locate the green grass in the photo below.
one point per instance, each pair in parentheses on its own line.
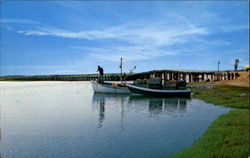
(228,136)
(224,95)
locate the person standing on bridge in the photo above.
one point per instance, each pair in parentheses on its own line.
(100,70)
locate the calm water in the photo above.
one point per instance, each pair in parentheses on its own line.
(66,120)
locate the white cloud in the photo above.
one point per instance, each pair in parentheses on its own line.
(18,21)
(143,41)
(129,52)
(89,35)
(156,34)
(40,33)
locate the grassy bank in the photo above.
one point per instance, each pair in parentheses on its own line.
(230,96)
(228,136)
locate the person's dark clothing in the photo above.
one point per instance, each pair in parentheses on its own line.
(100,69)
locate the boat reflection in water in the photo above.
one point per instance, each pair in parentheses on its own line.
(101,112)
(158,105)
(100,100)
(117,103)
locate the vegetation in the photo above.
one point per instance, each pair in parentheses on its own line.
(228,136)
(225,95)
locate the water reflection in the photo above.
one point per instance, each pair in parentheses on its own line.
(99,101)
(101,112)
(157,106)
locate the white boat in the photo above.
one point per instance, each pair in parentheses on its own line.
(109,88)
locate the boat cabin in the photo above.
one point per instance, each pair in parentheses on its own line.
(157,83)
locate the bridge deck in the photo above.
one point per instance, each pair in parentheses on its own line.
(165,74)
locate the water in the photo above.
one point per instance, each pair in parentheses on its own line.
(66,120)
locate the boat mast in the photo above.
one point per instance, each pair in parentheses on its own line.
(121,69)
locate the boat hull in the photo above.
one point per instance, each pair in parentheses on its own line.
(108,88)
(159,93)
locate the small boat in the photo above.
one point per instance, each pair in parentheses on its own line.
(158,92)
(109,88)
(105,87)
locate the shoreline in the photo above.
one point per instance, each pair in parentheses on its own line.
(228,135)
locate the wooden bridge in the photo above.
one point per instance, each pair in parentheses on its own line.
(73,77)
(188,75)
(179,74)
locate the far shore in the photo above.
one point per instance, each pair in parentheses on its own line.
(244,83)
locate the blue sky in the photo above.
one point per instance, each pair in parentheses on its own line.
(56,37)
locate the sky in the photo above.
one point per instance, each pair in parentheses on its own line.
(74,37)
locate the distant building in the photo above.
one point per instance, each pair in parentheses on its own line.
(246,67)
